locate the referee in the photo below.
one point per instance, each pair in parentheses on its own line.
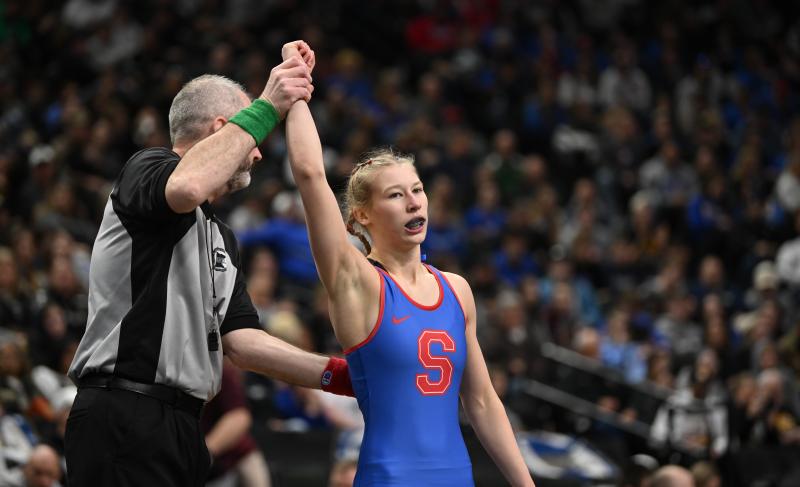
(167,296)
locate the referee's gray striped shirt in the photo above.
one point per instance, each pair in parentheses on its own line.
(150,290)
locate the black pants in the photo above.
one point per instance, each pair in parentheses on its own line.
(121,438)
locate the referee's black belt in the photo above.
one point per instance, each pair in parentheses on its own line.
(169,395)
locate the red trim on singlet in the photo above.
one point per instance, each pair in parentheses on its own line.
(377,322)
(463,310)
(420,306)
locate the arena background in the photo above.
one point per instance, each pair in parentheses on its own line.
(619,180)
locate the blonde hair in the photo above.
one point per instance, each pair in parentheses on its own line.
(358,192)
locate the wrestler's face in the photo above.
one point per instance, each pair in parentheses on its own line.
(398,211)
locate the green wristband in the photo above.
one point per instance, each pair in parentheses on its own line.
(258,119)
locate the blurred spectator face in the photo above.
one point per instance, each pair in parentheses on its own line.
(560,270)
(43,468)
(659,369)
(618,326)
(711,272)
(768,359)
(766,320)
(221,58)
(587,343)
(620,124)
(514,247)
(705,475)
(624,57)
(505,143)
(672,476)
(8,271)
(716,187)
(529,289)
(563,299)
(459,145)
(54,322)
(623,253)
(488,195)
(442,188)
(679,307)
(11,360)
(430,87)
(769,389)
(662,126)
(704,161)
(584,192)
(24,247)
(261,288)
(712,307)
(641,213)
(765,277)
(671,153)
(510,310)
(348,63)
(263,261)
(62,199)
(716,335)
(534,170)
(61,245)
(62,278)
(705,366)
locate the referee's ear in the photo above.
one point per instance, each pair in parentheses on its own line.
(218,123)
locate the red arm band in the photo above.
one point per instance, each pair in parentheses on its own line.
(336,378)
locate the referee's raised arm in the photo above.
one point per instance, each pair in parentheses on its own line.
(212,151)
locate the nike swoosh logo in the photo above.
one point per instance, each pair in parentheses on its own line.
(397,320)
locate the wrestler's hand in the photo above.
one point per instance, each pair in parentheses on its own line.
(288,82)
(299,48)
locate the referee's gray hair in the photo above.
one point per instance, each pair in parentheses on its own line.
(199,102)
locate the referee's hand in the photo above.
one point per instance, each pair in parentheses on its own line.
(288,82)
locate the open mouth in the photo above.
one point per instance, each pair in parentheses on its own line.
(416,223)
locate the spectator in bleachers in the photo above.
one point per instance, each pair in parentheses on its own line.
(683,336)
(509,337)
(694,421)
(226,423)
(703,373)
(15,305)
(43,468)
(668,180)
(617,351)
(671,476)
(706,475)
(624,83)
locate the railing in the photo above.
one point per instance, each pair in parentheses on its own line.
(581,407)
(573,359)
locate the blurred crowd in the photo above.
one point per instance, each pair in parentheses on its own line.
(619,180)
